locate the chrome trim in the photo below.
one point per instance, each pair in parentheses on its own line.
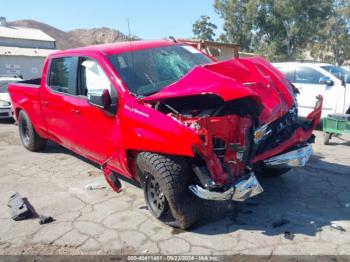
(211,195)
(295,158)
(247,188)
(243,190)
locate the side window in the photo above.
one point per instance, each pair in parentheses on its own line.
(92,78)
(288,73)
(305,75)
(60,75)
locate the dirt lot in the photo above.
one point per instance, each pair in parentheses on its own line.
(294,215)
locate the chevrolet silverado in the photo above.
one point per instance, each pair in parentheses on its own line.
(183,125)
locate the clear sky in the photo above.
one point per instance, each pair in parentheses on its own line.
(149,19)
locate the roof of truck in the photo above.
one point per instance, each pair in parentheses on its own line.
(121,47)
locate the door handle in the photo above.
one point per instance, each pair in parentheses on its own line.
(45,103)
(76,111)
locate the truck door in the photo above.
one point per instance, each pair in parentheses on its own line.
(58,100)
(307,80)
(98,129)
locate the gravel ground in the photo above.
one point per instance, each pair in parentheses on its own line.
(305,211)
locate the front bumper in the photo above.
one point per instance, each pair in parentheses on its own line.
(6,112)
(295,158)
(242,190)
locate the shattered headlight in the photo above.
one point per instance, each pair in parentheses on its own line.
(4,103)
(260,133)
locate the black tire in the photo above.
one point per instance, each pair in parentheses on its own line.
(173,176)
(326,138)
(29,137)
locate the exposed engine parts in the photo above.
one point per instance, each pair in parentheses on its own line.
(231,136)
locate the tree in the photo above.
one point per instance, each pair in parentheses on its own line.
(285,27)
(203,29)
(238,26)
(334,38)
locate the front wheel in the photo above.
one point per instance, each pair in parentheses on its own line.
(165,181)
(29,137)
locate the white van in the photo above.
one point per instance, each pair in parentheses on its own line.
(312,79)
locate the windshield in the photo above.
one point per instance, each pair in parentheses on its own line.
(338,72)
(148,71)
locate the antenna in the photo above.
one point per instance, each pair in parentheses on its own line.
(131,51)
(127,20)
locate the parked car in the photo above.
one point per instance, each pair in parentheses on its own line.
(312,79)
(5,103)
(170,117)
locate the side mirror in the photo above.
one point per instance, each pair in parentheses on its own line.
(100,98)
(326,80)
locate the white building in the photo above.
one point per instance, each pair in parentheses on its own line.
(23,50)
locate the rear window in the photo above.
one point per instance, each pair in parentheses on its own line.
(60,72)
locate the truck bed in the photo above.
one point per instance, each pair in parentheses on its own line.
(26,95)
(30,83)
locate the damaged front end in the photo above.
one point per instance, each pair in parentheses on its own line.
(222,159)
(234,143)
(242,128)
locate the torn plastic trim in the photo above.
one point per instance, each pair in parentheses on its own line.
(242,190)
(211,195)
(295,158)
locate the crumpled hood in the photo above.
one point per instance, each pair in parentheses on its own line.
(234,79)
(5,97)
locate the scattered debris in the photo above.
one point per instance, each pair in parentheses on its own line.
(280,223)
(94,173)
(288,235)
(19,209)
(176,231)
(45,220)
(338,227)
(143,207)
(94,186)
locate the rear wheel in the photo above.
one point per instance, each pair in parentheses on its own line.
(29,137)
(165,181)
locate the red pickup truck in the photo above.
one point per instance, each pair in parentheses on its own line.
(183,125)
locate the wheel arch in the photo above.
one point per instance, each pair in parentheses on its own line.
(131,156)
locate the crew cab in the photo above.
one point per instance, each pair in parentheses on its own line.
(183,125)
(312,79)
